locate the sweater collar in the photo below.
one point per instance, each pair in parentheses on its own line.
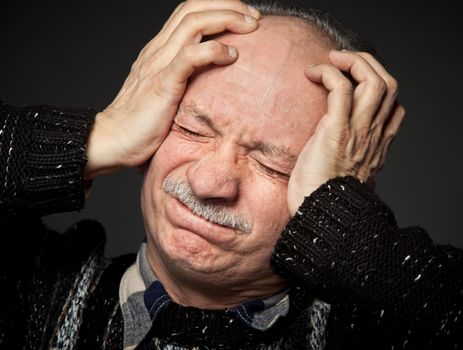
(143,298)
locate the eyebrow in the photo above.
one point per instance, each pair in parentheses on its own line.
(190,108)
(265,148)
(274,151)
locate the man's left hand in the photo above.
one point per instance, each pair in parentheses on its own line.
(353,136)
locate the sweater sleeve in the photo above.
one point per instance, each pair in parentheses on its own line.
(388,285)
(42,157)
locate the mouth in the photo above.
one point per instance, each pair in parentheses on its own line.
(182,217)
(201,216)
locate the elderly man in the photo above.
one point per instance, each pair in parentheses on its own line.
(257,137)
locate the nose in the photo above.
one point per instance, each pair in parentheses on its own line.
(215,176)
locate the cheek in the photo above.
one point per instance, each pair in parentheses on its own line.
(270,214)
(269,199)
(170,155)
(174,152)
(269,209)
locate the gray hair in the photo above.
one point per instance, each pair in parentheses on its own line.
(212,212)
(334,30)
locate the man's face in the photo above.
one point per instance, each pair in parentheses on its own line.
(228,157)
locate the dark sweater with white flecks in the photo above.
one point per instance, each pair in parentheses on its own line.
(387,287)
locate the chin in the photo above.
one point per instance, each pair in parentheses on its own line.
(190,253)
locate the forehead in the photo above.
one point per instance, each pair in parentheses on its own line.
(265,95)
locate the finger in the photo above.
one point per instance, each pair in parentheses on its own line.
(171,17)
(339,101)
(179,13)
(379,68)
(395,121)
(195,25)
(371,88)
(391,84)
(158,40)
(200,6)
(173,78)
(390,132)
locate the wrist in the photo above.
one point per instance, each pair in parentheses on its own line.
(299,190)
(102,151)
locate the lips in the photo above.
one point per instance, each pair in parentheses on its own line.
(182,217)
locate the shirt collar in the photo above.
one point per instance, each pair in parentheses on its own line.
(142,297)
(260,314)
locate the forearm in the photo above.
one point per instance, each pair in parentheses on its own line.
(345,246)
(43,154)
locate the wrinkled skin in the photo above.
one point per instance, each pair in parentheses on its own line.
(253,136)
(263,98)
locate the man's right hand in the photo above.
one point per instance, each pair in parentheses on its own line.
(129,131)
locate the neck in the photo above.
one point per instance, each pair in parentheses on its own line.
(191,289)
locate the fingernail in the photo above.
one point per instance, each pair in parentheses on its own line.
(249,19)
(254,11)
(232,51)
(311,65)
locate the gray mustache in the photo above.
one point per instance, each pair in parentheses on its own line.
(213,213)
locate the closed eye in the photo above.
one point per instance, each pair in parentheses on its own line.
(272,172)
(185,131)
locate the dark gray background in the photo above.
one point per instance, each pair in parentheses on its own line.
(79,53)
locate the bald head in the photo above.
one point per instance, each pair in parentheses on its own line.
(267,81)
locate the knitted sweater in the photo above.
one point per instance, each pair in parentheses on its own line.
(387,287)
